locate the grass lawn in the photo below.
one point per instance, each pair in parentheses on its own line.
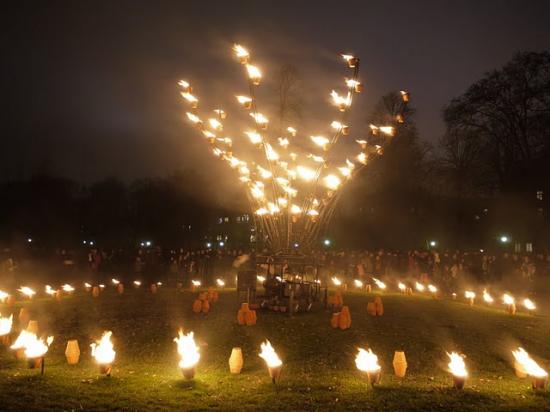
(319,371)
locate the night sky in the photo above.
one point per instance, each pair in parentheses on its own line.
(89,87)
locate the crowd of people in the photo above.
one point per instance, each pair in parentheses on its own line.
(447,269)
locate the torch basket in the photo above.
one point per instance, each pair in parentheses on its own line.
(539,382)
(458,382)
(35,363)
(105,369)
(189,373)
(275,373)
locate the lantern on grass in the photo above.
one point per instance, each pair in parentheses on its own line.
(236,361)
(103,353)
(35,349)
(367,362)
(272,360)
(189,354)
(399,364)
(457,367)
(5,329)
(72,352)
(530,368)
(344,318)
(510,303)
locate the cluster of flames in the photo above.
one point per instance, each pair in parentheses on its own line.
(291,179)
(33,346)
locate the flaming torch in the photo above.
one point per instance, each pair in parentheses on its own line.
(470,295)
(5,328)
(35,349)
(529,305)
(419,287)
(220,283)
(367,362)
(4,296)
(274,363)
(358,284)
(510,303)
(487,297)
(67,288)
(402,287)
(28,292)
(104,353)
(379,283)
(457,369)
(337,282)
(189,353)
(433,290)
(530,367)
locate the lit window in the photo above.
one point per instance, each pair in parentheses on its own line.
(540,193)
(238,219)
(219,237)
(528,247)
(226,219)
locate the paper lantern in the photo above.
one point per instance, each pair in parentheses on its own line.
(344,320)
(334,320)
(120,288)
(153,288)
(197,306)
(72,352)
(95,291)
(399,364)
(371,308)
(32,327)
(236,361)
(379,306)
(250,318)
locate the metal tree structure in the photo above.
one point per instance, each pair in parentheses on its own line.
(293,182)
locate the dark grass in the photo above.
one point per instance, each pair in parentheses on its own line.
(319,370)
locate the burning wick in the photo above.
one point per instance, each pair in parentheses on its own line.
(458,369)
(104,353)
(528,366)
(367,362)
(274,363)
(189,353)
(487,297)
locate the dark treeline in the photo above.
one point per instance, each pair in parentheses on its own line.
(488,176)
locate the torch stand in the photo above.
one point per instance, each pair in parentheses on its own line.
(374,377)
(189,373)
(105,369)
(458,382)
(275,373)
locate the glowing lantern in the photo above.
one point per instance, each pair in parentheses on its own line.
(236,361)
(457,367)
(28,292)
(367,362)
(487,297)
(470,296)
(531,368)
(72,352)
(189,354)
(399,364)
(272,360)
(103,353)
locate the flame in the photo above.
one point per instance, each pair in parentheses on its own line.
(269,355)
(487,297)
(405,95)
(22,340)
(35,347)
(362,158)
(244,100)
(432,288)
(419,286)
(528,364)
(196,282)
(5,325)
(25,290)
(340,101)
(67,288)
(49,291)
(115,281)
(508,299)
(220,283)
(193,118)
(3,295)
(367,361)
(187,349)
(254,73)
(260,278)
(401,286)
(295,209)
(87,285)
(313,212)
(529,304)
(291,130)
(332,182)
(255,138)
(283,142)
(262,211)
(388,130)
(270,153)
(137,283)
(457,366)
(336,125)
(352,83)
(103,351)
(469,294)
(336,281)
(215,124)
(379,283)
(259,118)
(240,51)
(189,97)
(185,85)
(358,283)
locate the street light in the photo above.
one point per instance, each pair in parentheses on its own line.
(433,243)
(326,242)
(504,239)
(222,244)
(208,245)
